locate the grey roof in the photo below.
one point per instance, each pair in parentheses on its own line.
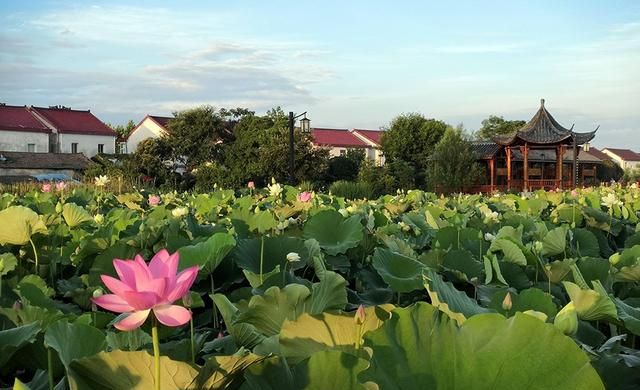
(52,161)
(549,155)
(544,129)
(485,150)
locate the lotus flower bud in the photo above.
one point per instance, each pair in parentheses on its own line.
(360,315)
(614,258)
(293,257)
(506,302)
(58,207)
(98,292)
(99,218)
(187,301)
(567,320)
(537,246)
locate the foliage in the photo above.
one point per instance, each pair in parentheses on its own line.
(496,126)
(534,290)
(123,130)
(352,190)
(393,176)
(453,163)
(412,138)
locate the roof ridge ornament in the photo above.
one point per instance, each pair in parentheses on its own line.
(542,102)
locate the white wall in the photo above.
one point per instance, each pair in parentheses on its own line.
(147,129)
(16,141)
(87,144)
(622,163)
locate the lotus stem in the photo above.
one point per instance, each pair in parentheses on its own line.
(156,352)
(261,257)
(50,367)
(193,344)
(35,254)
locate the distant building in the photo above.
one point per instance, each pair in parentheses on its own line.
(53,130)
(25,165)
(152,126)
(338,141)
(625,158)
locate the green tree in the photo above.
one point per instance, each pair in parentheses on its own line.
(150,159)
(497,125)
(198,135)
(123,130)
(345,167)
(412,138)
(260,151)
(453,163)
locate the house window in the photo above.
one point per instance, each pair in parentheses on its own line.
(31,148)
(74,147)
(343,152)
(100,148)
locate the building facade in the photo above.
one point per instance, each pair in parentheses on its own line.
(152,126)
(624,158)
(339,141)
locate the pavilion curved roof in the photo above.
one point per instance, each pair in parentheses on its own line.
(544,129)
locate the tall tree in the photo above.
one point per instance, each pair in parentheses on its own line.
(453,164)
(197,135)
(123,130)
(411,138)
(497,125)
(261,149)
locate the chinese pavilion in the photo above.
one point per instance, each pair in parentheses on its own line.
(541,154)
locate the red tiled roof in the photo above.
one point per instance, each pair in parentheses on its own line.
(336,137)
(625,154)
(372,135)
(19,118)
(161,120)
(598,153)
(68,121)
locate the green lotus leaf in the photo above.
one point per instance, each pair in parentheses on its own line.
(555,241)
(19,223)
(243,334)
(11,340)
(569,213)
(401,273)
(323,370)
(629,315)
(121,370)
(74,341)
(248,252)
(421,348)
(207,254)
(8,263)
(225,372)
(586,243)
(512,253)
(449,300)
(628,274)
(132,340)
(462,261)
(591,304)
(557,270)
(308,333)
(335,233)
(534,299)
(329,294)
(75,215)
(262,221)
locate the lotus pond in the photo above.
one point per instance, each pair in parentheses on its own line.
(278,289)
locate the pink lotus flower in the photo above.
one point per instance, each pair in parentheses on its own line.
(46,187)
(154,200)
(60,186)
(574,193)
(142,288)
(251,185)
(305,196)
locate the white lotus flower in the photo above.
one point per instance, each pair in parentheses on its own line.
(179,212)
(489,237)
(611,200)
(275,190)
(293,257)
(101,181)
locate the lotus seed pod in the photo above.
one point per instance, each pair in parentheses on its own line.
(98,292)
(187,301)
(567,320)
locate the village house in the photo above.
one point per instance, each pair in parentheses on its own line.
(53,130)
(152,126)
(338,141)
(625,158)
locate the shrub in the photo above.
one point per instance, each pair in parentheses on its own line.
(352,190)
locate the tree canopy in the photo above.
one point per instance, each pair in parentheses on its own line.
(411,138)
(497,125)
(453,164)
(197,135)
(123,130)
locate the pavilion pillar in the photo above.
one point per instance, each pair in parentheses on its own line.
(491,172)
(559,164)
(575,163)
(526,167)
(508,168)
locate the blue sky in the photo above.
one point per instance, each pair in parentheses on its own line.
(348,63)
